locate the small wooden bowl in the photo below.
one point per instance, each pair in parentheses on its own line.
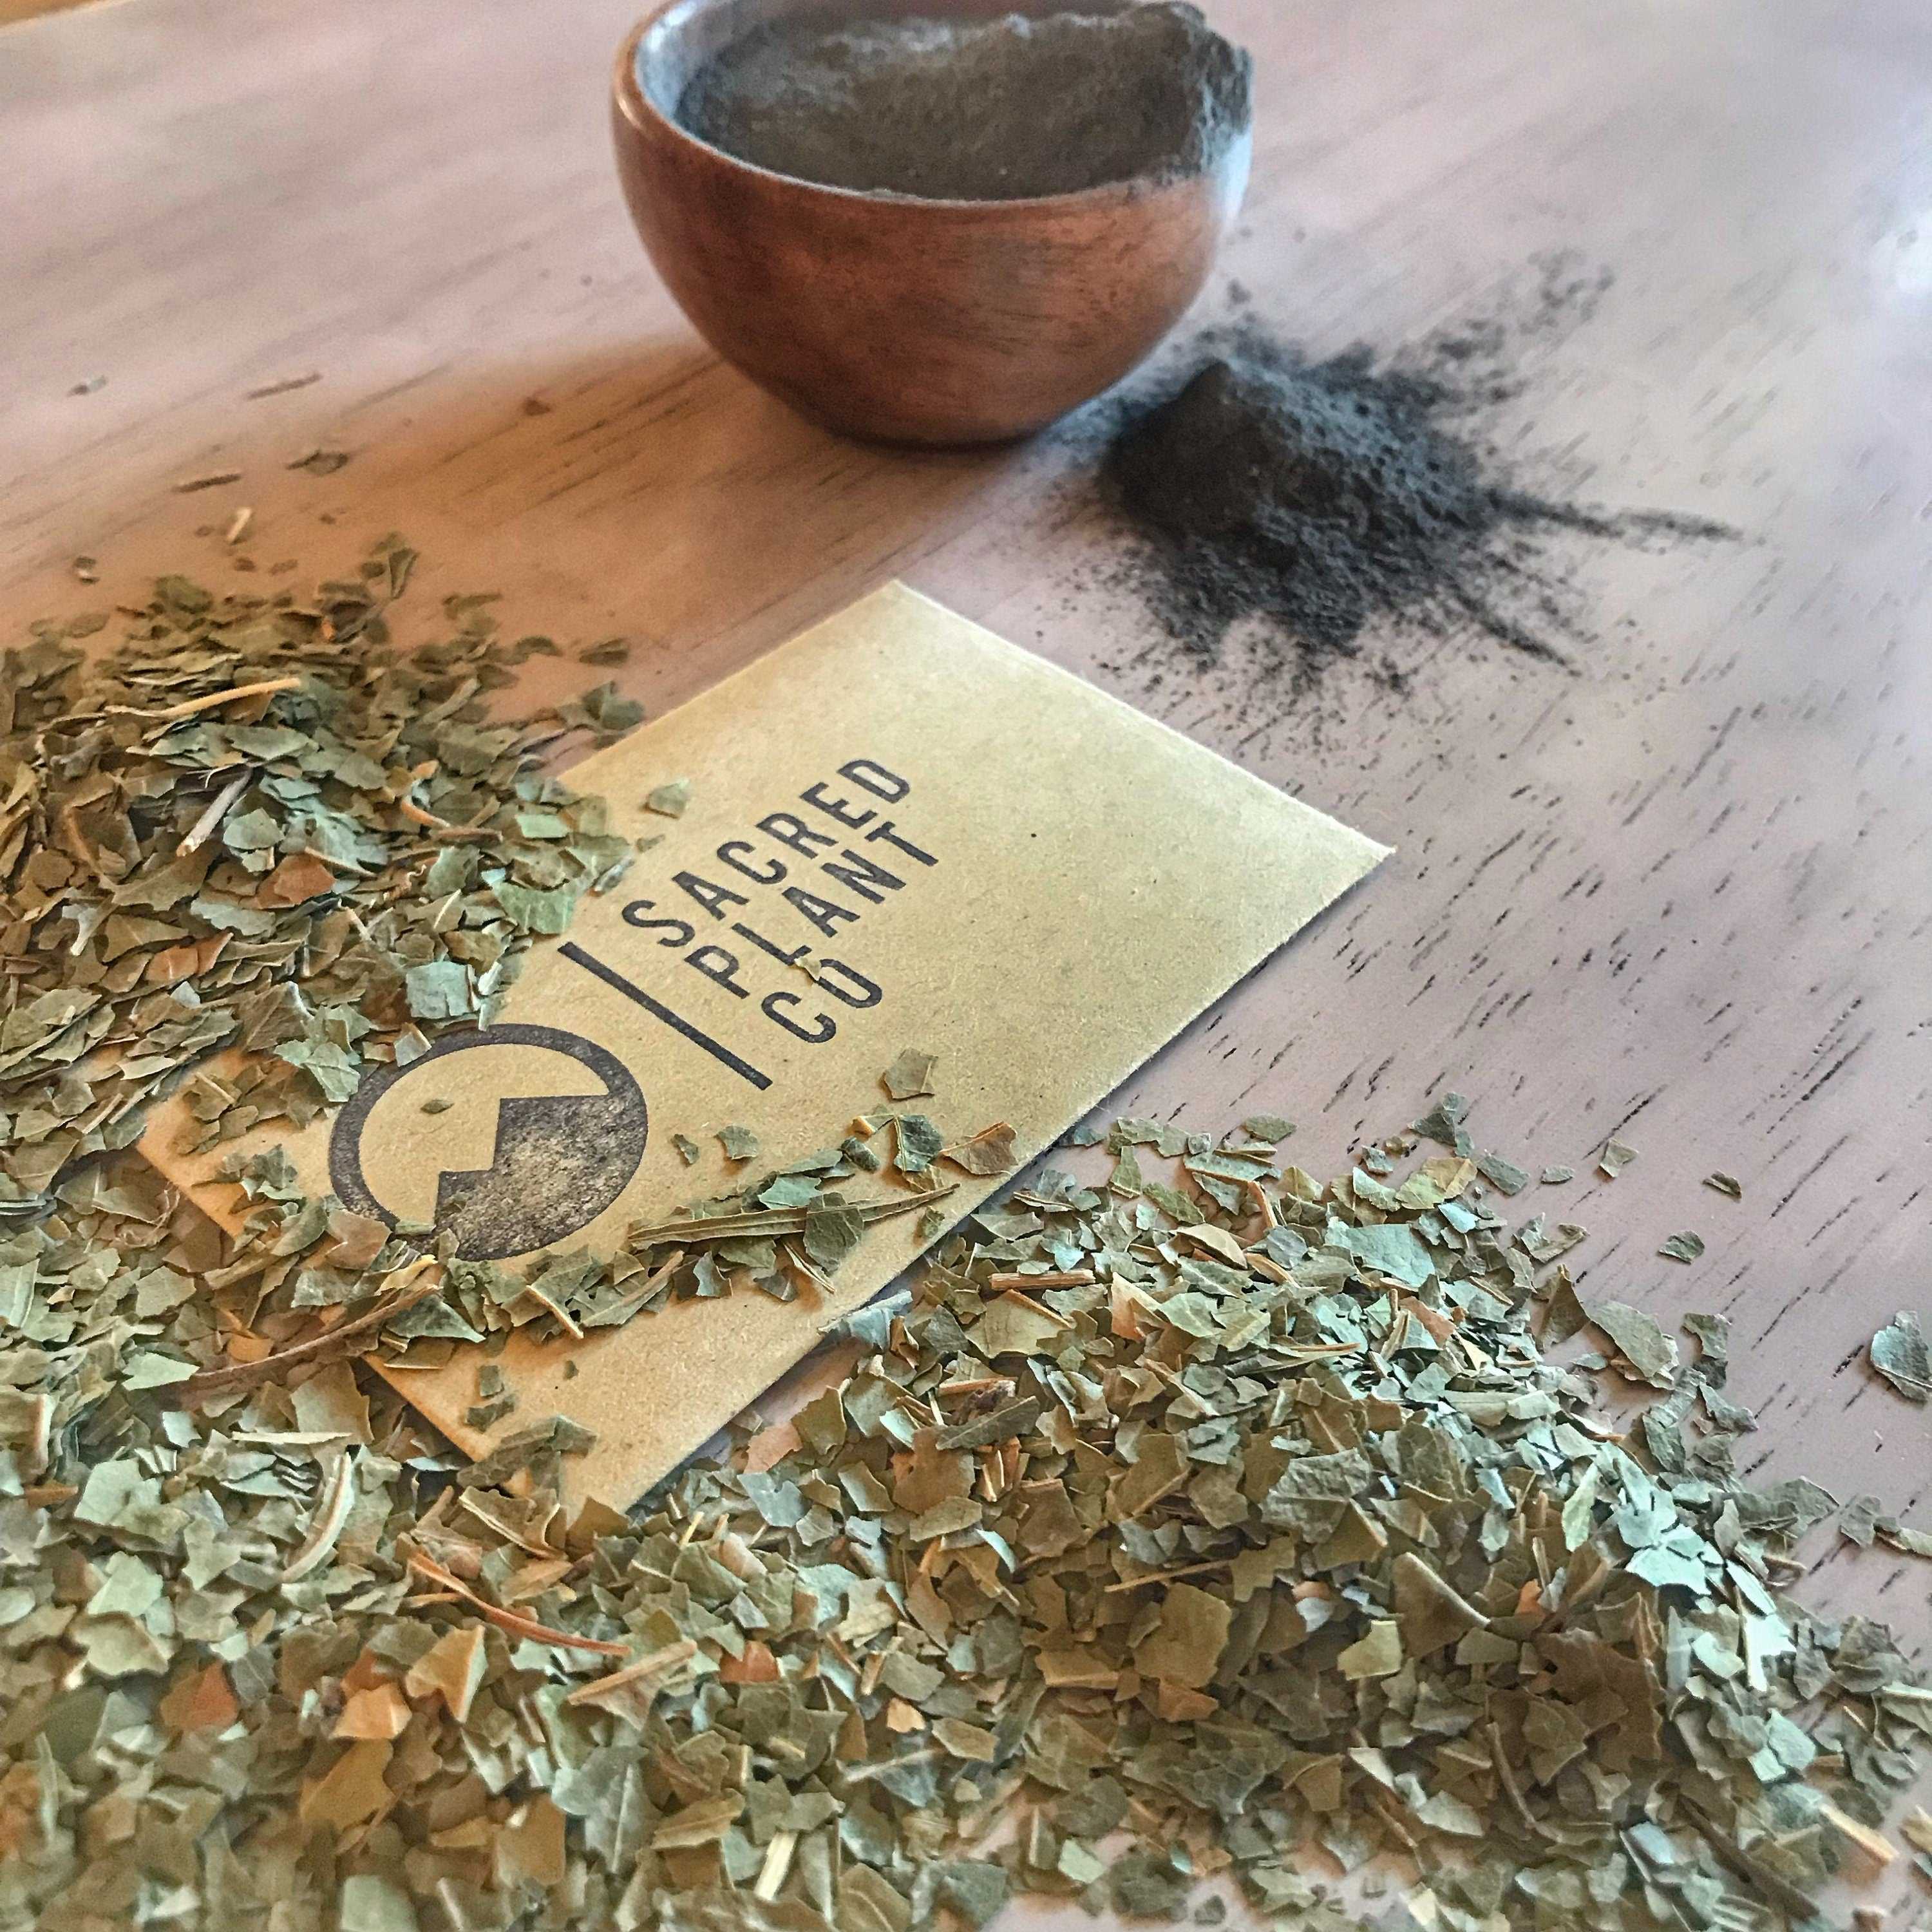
(940,322)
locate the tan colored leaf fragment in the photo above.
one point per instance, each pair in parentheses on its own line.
(529,1849)
(1871,1849)
(353,1790)
(381,1712)
(702,1823)
(770,1446)
(358,1239)
(205,1702)
(989,1152)
(188,961)
(1187,1646)
(301,877)
(451,1669)
(758,1665)
(959,1739)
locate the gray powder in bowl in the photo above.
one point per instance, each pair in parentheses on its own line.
(980,110)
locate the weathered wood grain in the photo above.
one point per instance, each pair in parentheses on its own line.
(1683,892)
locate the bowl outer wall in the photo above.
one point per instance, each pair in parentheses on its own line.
(923,321)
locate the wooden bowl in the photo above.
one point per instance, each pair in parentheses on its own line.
(900,319)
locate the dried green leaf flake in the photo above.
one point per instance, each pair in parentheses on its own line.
(1504,1175)
(831,1234)
(1639,1340)
(439,991)
(989,1152)
(1858,1520)
(919,1141)
(1377,1654)
(909,1075)
(1899,1352)
(1391,1249)
(1185,1647)
(1614,1159)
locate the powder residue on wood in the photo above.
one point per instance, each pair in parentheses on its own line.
(979,110)
(1320,496)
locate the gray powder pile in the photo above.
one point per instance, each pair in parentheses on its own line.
(1320,497)
(987,110)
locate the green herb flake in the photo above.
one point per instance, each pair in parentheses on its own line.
(1639,1341)
(1899,1353)
(918,1142)
(1504,1175)
(1614,1159)
(909,1076)
(1858,1520)
(989,1152)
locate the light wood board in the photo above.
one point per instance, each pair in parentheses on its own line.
(1684,893)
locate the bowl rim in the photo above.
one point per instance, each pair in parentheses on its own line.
(637,108)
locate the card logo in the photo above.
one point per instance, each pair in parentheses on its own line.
(557,1159)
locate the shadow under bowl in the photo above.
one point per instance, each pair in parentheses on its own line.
(889,317)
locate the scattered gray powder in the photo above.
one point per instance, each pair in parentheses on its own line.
(986,110)
(1323,496)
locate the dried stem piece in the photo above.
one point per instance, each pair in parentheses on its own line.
(509,1621)
(208,701)
(212,1382)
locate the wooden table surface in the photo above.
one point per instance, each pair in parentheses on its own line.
(1682,891)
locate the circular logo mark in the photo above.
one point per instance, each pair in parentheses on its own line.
(558,1161)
